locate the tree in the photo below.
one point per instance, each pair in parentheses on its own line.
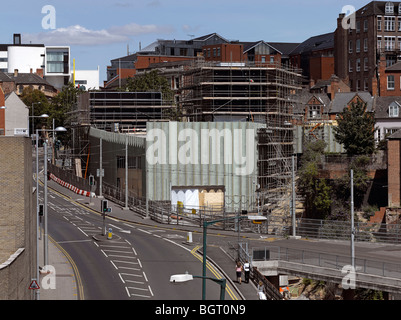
(315,190)
(150,82)
(355,130)
(35,100)
(60,106)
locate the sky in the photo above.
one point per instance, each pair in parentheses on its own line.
(101,30)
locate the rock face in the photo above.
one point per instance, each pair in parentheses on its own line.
(393,217)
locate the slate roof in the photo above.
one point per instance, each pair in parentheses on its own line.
(396,135)
(316,43)
(394,67)
(304,96)
(342,99)
(284,47)
(381,107)
(23,78)
(377,8)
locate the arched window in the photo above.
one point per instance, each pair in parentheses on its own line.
(389,7)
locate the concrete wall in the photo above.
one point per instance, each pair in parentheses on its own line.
(17,219)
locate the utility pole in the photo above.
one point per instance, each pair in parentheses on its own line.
(45,239)
(352,221)
(101,170)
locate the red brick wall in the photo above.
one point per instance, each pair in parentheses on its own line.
(228,52)
(321,68)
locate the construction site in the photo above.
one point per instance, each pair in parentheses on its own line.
(260,93)
(253,92)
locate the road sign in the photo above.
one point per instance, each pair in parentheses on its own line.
(98,172)
(34,285)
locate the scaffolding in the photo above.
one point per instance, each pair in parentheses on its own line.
(256,92)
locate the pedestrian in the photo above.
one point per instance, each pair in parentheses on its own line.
(238,270)
(247,270)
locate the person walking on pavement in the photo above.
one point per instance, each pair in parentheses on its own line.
(247,270)
(238,270)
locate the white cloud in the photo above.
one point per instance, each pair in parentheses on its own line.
(78,35)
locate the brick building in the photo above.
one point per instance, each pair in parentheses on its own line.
(377,33)
(315,56)
(17,219)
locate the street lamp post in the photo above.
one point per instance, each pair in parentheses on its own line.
(45,237)
(205,225)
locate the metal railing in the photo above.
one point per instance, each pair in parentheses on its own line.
(326,260)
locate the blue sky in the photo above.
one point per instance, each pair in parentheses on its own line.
(100,30)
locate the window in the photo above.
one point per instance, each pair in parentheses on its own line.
(399,42)
(365,45)
(218,52)
(365,85)
(393,110)
(379,23)
(358,45)
(263,59)
(350,46)
(350,66)
(379,43)
(389,23)
(365,25)
(366,64)
(214,52)
(358,65)
(314,112)
(271,59)
(358,85)
(390,83)
(389,43)
(57,61)
(358,26)
(389,7)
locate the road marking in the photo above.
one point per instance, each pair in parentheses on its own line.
(144,275)
(82,231)
(113,264)
(72,241)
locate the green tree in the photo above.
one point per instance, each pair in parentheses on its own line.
(315,190)
(36,100)
(150,82)
(356,129)
(60,107)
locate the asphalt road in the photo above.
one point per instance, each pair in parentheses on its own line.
(135,264)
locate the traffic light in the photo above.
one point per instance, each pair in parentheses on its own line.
(41,209)
(105,205)
(91,180)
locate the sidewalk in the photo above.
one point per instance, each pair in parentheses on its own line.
(214,252)
(60,283)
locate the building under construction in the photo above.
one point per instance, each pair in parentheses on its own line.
(254,92)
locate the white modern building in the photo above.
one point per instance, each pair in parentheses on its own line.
(53,63)
(86,79)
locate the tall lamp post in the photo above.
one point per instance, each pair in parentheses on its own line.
(205,225)
(45,238)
